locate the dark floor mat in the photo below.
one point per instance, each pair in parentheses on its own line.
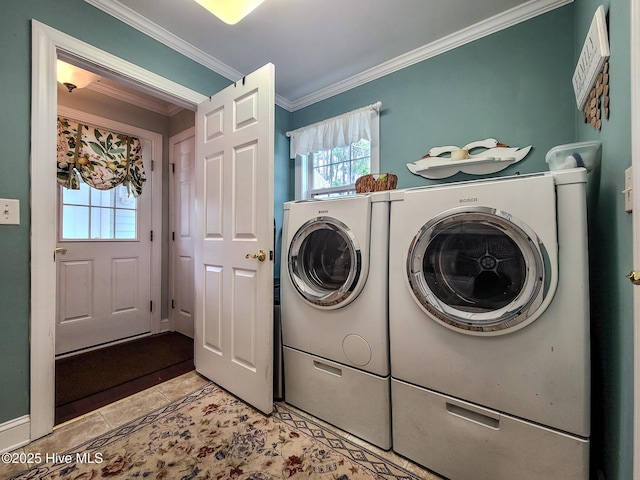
(92,372)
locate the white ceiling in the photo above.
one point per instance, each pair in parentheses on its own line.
(322,47)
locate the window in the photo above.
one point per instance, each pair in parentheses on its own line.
(334,172)
(91,214)
(331,155)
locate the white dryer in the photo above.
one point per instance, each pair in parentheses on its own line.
(489,327)
(334,307)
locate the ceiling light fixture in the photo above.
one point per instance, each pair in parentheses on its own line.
(73,77)
(230,11)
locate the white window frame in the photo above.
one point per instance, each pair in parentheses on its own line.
(61,216)
(303,165)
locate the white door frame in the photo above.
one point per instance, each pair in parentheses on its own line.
(155,175)
(47,44)
(635,162)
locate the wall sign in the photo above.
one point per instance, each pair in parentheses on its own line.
(595,52)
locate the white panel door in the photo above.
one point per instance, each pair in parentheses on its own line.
(103,260)
(234,204)
(183,201)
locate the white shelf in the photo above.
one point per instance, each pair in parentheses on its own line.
(443,167)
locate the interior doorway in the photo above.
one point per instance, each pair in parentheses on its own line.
(104,307)
(48,45)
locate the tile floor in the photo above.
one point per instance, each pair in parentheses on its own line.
(111,416)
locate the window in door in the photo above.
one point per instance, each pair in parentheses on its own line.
(91,214)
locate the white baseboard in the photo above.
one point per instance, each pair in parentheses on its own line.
(165,325)
(15,433)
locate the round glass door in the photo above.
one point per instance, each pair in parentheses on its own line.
(478,270)
(325,262)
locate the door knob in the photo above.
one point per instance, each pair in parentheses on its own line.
(634,276)
(59,250)
(261,255)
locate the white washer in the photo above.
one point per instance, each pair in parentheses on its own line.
(334,308)
(489,327)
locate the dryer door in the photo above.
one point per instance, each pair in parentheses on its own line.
(325,262)
(478,270)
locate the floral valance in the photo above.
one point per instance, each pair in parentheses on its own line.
(102,158)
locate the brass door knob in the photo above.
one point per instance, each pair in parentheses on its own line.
(634,276)
(261,255)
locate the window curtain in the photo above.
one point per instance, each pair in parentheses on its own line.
(339,131)
(102,158)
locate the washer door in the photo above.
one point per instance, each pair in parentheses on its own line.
(325,262)
(477,270)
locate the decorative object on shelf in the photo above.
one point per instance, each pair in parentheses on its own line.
(593,56)
(376,182)
(597,105)
(476,158)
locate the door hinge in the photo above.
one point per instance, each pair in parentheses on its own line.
(173,168)
(151,306)
(271,255)
(153,164)
(173,236)
(173,303)
(151,236)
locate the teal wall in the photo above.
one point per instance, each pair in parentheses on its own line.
(511,85)
(610,238)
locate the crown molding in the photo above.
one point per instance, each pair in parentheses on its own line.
(474,32)
(132,98)
(155,31)
(162,35)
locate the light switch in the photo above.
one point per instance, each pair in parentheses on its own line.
(9,211)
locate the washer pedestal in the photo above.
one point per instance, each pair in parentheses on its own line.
(355,401)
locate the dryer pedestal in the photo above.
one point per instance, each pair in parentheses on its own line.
(355,401)
(463,441)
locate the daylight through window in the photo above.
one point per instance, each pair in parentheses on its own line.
(335,171)
(332,154)
(91,214)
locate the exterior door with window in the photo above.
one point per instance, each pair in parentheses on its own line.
(233,251)
(103,261)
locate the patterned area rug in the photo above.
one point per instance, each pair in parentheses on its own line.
(210,434)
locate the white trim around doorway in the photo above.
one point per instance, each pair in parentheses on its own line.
(635,162)
(47,44)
